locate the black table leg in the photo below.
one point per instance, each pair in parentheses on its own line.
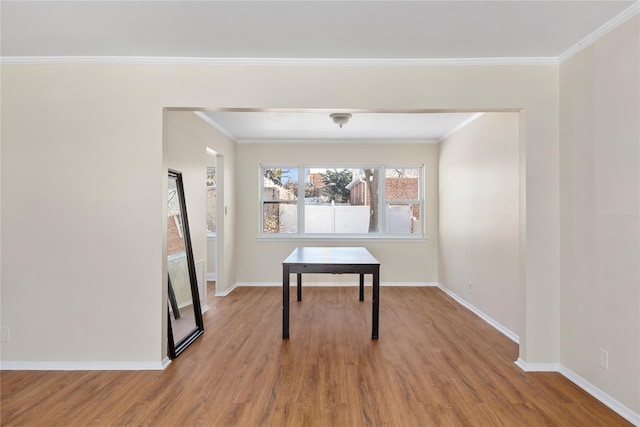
(361,287)
(285,302)
(376,304)
(299,286)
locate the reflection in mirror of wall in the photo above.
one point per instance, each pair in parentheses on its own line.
(185,314)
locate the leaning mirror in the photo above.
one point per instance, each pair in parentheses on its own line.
(185,315)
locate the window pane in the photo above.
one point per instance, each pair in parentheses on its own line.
(403,218)
(279,217)
(402,183)
(325,185)
(280,183)
(337,200)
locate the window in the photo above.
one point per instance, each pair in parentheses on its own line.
(280,200)
(313,201)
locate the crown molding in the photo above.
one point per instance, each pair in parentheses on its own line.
(282,62)
(628,13)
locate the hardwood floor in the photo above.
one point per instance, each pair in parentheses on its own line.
(435,364)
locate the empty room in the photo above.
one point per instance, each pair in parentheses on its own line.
(420,213)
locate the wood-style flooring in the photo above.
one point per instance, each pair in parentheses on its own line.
(435,364)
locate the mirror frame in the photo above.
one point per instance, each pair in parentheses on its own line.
(175,348)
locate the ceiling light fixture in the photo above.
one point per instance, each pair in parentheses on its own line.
(340,119)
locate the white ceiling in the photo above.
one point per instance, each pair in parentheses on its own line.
(367,127)
(302,29)
(318,32)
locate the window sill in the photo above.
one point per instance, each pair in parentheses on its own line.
(341,238)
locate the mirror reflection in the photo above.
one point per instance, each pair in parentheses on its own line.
(185,316)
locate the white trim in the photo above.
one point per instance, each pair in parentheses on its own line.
(603,397)
(594,391)
(260,284)
(630,12)
(537,367)
(226,292)
(408,284)
(84,366)
(337,284)
(212,277)
(165,362)
(505,331)
(283,62)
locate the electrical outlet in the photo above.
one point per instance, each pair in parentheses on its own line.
(469,285)
(4,334)
(604,359)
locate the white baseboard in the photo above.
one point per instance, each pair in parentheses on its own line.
(603,397)
(337,284)
(261,284)
(212,277)
(594,391)
(409,284)
(226,291)
(84,366)
(537,367)
(165,362)
(505,331)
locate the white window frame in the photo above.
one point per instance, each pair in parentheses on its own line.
(419,202)
(382,204)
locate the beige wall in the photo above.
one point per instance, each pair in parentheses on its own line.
(600,186)
(82,276)
(93,134)
(185,144)
(406,261)
(479,216)
(226,220)
(189,128)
